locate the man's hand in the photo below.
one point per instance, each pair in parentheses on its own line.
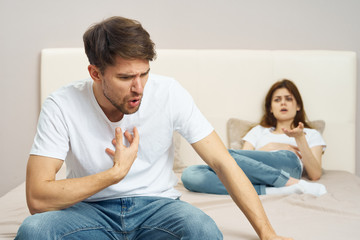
(45,193)
(123,156)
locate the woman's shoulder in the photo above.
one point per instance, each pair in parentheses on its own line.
(314,137)
(260,129)
(312,133)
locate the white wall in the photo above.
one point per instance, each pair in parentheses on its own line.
(26,27)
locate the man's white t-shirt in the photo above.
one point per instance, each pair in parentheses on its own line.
(73,127)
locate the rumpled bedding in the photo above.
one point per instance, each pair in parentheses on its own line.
(335,215)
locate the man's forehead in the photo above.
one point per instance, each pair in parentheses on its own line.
(132,73)
(130,66)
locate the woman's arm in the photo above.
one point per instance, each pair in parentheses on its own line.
(311,157)
(247,146)
(273,146)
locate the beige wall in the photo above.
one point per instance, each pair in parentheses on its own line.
(26,27)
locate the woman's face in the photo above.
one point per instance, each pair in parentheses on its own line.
(283,105)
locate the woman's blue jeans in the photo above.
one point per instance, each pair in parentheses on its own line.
(138,218)
(261,167)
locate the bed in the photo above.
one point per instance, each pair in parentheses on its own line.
(228,86)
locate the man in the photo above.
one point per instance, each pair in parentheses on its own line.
(126,191)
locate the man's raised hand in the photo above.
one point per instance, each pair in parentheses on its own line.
(124,156)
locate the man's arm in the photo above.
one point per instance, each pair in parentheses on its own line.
(214,153)
(44,193)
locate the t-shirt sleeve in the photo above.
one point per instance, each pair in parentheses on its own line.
(314,139)
(187,118)
(51,139)
(253,136)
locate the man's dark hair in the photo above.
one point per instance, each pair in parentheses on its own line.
(117,36)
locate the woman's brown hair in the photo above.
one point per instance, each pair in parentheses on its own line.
(268,119)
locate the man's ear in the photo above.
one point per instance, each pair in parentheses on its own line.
(94,73)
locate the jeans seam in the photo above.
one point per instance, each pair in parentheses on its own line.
(160,229)
(84,229)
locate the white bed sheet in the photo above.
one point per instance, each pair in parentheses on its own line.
(335,215)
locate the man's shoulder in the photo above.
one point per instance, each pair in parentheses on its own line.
(72,88)
(70,94)
(161,84)
(160,79)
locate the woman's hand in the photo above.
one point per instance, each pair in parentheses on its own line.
(295,132)
(311,156)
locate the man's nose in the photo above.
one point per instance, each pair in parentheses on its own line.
(137,85)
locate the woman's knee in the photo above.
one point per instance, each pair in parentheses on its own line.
(187,176)
(233,152)
(292,165)
(193,176)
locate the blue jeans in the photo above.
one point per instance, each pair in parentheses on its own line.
(126,218)
(262,168)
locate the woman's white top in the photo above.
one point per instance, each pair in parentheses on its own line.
(260,136)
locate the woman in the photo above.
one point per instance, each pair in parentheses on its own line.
(275,152)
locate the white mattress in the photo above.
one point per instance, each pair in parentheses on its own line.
(335,215)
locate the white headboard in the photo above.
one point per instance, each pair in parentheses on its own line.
(233,83)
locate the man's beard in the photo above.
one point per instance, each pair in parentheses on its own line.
(122,107)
